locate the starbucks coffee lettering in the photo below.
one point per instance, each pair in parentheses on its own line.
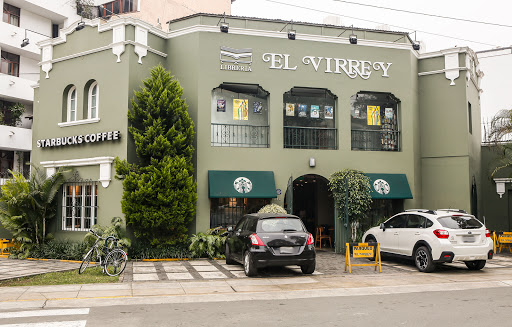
(79,139)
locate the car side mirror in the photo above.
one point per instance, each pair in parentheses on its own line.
(382,227)
(230,229)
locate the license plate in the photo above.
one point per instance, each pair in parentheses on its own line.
(286,249)
(468,239)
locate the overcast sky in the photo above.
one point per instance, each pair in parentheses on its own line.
(477,36)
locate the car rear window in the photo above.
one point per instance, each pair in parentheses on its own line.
(276,225)
(459,222)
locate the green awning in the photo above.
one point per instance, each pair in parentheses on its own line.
(389,186)
(241,184)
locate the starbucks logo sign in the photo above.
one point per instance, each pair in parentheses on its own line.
(242,185)
(381,186)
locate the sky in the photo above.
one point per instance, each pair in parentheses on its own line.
(435,33)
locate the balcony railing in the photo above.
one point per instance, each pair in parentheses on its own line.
(240,135)
(310,138)
(368,140)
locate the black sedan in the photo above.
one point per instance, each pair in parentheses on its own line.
(270,239)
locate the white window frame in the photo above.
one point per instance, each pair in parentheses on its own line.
(74,217)
(89,100)
(70,93)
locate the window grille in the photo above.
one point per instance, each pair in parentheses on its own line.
(79,204)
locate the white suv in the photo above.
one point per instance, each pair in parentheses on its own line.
(427,236)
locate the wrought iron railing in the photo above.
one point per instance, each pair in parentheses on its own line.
(310,138)
(240,135)
(369,140)
(223,217)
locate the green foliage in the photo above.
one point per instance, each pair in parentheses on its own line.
(27,205)
(159,193)
(10,115)
(499,136)
(209,244)
(272,208)
(60,249)
(139,251)
(359,198)
(115,229)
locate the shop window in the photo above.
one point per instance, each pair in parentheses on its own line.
(309,118)
(11,15)
(228,211)
(10,64)
(79,206)
(6,163)
(116,7)
(239,116)
(92,91)
(71,104)
(375,125)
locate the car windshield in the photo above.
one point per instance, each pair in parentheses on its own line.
(273,225)
(459,222)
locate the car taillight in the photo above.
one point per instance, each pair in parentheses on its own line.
(310,241)
(487,233)
(441,233)
(256,240)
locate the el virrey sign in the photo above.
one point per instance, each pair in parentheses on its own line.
(241,60)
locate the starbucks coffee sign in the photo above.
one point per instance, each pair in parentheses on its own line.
(79,139)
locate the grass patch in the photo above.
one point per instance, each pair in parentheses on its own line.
(91,275)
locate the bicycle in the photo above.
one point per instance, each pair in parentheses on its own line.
(113,259)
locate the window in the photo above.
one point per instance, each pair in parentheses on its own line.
(375,125)
(309,119)
(10,64)
(228,211)
(93,101)
(79,206)
(116,7)
(11,15)
(71,116)
(6,163)
(470,119)
(396,222)
(415,221)
(239,116)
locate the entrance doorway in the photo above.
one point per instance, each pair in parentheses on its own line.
(313,202)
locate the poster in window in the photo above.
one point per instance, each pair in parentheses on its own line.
(257,107)
(221,105)
(290,109)
(240,109)
(315,111)
(388,113)
(303,109)
(329,112)
(373,115)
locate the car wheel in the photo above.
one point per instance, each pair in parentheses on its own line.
(423,260)
(309,268)
(475,265)
(372,239)
(229,261)
(249,268)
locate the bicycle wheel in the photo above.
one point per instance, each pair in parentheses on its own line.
(115,262)
(85,262)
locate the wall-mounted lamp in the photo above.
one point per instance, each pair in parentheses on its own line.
(415,44)
(26,41)
(291,34)
(312,162)
(224,27)
(12,133)
(80,26)
(352,38)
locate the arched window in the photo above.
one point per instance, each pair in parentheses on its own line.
(71,107)
(92,103)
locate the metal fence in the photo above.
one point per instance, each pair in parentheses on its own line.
(240,135)
(310,138)
(369,140)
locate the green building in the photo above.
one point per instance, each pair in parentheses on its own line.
(276,112)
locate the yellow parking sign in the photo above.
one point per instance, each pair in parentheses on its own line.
(363,250)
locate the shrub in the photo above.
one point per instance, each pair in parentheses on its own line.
(140,250)
(57,249)
(209,244)
(113,230)
(272,208)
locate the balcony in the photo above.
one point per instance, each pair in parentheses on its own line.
(368,140)
(12,36)
(310,138)
(247,136)
(16,89)
(15,138)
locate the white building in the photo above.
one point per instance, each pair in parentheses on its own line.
(24,23)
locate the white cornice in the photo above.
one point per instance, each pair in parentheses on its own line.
(441,71)
(79,122)
(77,162)
(443,52)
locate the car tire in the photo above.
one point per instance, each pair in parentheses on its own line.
(309,268)
(249,268)
(229,261)
(370,239)
(475,265)
(423,260)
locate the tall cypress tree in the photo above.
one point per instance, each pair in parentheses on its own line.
(159,192)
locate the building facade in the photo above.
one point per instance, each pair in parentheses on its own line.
(275,112)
